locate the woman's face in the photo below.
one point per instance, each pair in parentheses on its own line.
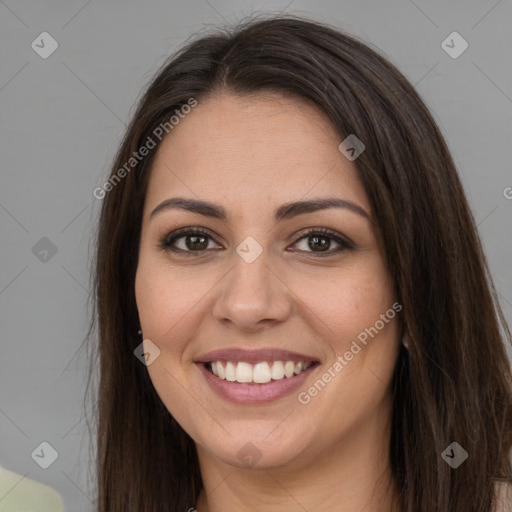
(254,286)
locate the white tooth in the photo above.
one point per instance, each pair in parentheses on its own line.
(277,370)
(289,367)
(261,373)
(221,370)
(243,372)
(230,371)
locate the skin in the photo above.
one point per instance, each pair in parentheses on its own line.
(252,154)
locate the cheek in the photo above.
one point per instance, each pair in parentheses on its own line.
(343,307)
(167,299)
(348,319)
(168,305)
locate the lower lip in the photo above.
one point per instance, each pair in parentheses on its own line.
(254,393)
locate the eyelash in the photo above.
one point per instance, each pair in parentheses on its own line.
(165,243)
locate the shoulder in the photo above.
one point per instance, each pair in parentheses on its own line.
(503,496)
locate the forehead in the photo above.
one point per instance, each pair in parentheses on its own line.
(242,150)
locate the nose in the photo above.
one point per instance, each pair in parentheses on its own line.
(252,296)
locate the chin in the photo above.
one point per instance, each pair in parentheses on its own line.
(264,450)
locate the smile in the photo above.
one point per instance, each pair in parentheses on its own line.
(249,391)
(255,376)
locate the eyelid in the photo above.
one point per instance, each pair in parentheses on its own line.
(331,233)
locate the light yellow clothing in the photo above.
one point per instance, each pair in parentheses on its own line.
(18,494)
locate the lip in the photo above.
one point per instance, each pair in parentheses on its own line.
(251,393)
(254,356)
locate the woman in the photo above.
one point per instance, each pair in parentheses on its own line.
(294,310)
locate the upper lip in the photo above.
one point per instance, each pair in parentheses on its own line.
(253,356)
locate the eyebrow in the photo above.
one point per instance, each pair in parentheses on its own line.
(284,212)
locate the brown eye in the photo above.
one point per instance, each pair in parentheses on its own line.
(195,242)
(319,241)
(187,240)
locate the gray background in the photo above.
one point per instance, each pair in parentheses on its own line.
(62,119)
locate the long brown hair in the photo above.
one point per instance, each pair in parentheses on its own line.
(452,384)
